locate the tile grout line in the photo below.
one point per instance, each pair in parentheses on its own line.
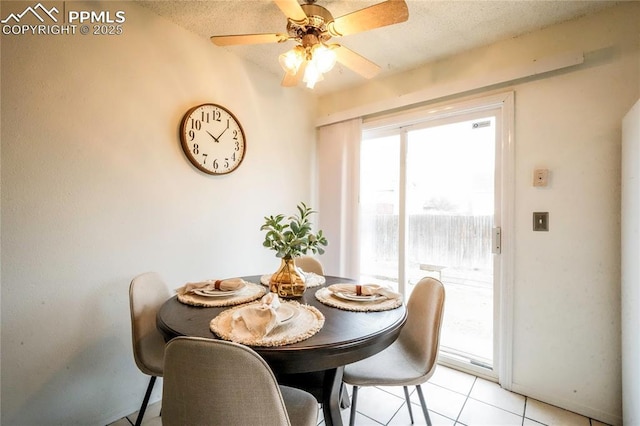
(370,418)
(466,399)
(491,404)
(398,410)
(431,410)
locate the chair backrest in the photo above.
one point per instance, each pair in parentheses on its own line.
(147,293)
(216,382)
(421,332)
(309,264)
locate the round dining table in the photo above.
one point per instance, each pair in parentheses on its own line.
(315,364)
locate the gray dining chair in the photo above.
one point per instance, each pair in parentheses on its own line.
(216,382)
(411,359)
(310,264)
(147,293)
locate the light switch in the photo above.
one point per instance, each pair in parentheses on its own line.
(540,221)
(540,177)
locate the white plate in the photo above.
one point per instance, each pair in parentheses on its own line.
(355,298)
(216,293)
(285,313)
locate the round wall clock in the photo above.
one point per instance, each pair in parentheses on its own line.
(212,139)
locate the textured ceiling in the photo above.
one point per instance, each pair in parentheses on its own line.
(435,29)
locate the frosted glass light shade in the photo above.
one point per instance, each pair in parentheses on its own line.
(291,60)
(324,58)
(312,75)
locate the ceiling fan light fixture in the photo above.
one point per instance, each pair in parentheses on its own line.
(317,60)
(312,26)
(291,60)
(312,75)
(324,57)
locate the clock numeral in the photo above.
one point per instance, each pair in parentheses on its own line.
(192,135)
(217,116)
(226,163)
(205,117)
(196,149)
(196,124)
(215,164)
(204,154)
(237,148)
(235,134)
(233,157)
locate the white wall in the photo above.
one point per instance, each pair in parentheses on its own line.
(630,266)
(566,342)
(96,189)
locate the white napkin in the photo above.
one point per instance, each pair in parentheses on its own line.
(312,279)
(229,284)
(365,290)
(258,319)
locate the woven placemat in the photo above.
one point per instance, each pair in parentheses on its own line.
(307,322)
(327,297)
(313,280)
(249,293)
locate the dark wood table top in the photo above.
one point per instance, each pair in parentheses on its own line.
(346,336)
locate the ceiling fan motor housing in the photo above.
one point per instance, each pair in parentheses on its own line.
(318,18)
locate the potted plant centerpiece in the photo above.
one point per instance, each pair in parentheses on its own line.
(290,240)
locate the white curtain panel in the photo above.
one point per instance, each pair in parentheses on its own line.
(338,156)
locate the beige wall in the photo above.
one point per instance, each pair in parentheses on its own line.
(96,189)
(566,291)
(630,246)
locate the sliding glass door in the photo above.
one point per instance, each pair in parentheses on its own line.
(428,207)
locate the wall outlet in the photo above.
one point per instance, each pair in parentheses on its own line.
(540,177)
(541,221)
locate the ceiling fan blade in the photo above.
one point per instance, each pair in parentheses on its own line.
(376,16)
(293,11)
(231,40)
(290,80)
(355,62)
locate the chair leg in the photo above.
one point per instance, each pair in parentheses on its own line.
(354,399)
(424,405)
(145,401)
(406,397)
(344,396)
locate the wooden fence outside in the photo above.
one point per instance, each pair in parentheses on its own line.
(453,241)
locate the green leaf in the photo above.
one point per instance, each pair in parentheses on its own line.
(293,237)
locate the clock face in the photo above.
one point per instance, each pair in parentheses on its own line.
(212,139)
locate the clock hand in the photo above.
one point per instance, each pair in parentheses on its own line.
(222,132)
(214,138)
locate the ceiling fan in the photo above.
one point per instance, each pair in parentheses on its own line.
(311,26)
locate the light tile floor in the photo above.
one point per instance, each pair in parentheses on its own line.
(453,398)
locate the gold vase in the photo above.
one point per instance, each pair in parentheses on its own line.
(288,281)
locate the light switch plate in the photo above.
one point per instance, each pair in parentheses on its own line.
(541,221)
